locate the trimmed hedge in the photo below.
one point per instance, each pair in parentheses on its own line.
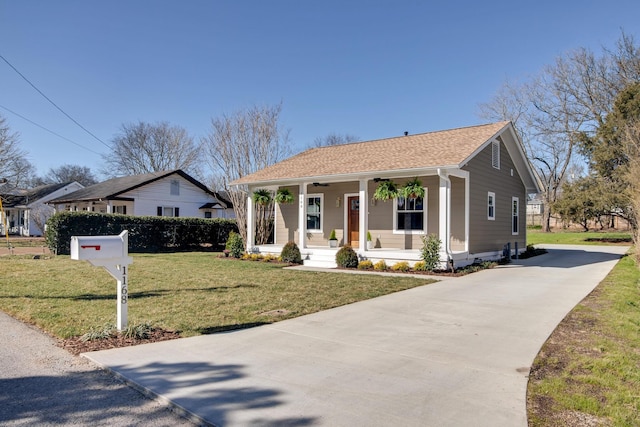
(146,233)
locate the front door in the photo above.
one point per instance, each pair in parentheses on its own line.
(354,221)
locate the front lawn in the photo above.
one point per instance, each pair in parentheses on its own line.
(193,293)
(535,237)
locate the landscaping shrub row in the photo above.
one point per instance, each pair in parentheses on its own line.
(146,233)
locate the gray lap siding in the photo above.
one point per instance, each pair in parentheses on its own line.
(491,235)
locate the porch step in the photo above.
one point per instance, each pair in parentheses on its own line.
(324,258)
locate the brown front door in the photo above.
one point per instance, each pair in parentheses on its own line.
(354,221)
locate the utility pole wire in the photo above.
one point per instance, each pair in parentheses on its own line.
(53,103)
(48,130)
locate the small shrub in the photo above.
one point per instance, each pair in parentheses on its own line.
(365,265)
(139,331)
(420,266)
(430,251)
(332,235)
(99,333)
(291,253)
(255,257)
(269,258)
(380,266)
(347,257)
(235,245)
(401,266)
(245,257)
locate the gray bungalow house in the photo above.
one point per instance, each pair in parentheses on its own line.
(475,179)
(170,193)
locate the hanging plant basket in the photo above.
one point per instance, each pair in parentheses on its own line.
(412,190)
(283,196)
(386,190)
(262,197)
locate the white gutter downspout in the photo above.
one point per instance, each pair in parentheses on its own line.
(444,220)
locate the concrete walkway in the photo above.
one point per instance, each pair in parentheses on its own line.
(454,353)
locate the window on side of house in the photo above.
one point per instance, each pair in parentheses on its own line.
(491,206)
(315,215)
(168,211)
(495,154)
(175,187)
(515,215)
(410,214)
(208,215)
(122,209)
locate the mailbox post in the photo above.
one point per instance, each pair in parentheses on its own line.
(112,253)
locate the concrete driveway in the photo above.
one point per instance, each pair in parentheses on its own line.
(453,353)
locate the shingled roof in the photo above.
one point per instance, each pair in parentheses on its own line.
(20,197)
(447,148)
(114,187)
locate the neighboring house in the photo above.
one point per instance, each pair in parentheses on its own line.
(171,193)
(26,211)
(476,182)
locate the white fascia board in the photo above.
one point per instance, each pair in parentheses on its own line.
(397,173)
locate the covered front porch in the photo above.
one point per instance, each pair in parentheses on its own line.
(347,207)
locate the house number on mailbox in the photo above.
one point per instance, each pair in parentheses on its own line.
(123,289)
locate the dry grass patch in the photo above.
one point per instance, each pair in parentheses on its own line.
(189,293)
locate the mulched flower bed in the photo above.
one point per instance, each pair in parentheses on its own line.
(76,346)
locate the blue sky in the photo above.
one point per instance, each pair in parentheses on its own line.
(371,69)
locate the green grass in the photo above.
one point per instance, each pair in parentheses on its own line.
(193,293)
(535,237)
(591,363)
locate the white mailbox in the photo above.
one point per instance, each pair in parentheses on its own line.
(112,253)
(86,248)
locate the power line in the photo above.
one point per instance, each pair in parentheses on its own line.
(53,103)
(48,130)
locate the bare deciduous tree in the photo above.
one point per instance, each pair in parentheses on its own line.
(560,109)
(142,148)
(69,173)
(242,143)
(14,166)
(631,140)
(333,139)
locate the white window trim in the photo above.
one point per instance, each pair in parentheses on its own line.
(516,214)
(491,196)
(173,208)
(425,208)
(495,154)
(306,204)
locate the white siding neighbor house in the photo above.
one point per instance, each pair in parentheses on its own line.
(170,193)
(26,211)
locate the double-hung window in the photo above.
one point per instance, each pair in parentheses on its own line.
(410,214)
(314,212)
(168,211)
(491,206)
(515,202)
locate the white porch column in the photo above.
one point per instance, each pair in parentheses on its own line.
(302,216)
(444,214)
(363,216)
(251,222)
